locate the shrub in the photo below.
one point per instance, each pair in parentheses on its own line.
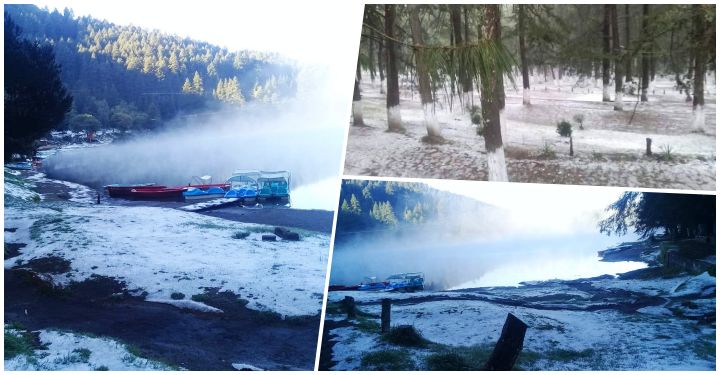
(579,118)
(240,235)
(447,362)
(547,152)
(666,153)
(405,335)
(177,295)
(564,128)
(387,360)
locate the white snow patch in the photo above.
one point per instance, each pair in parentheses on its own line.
(78,193)
(187,305)
(245,367)
(65,351)
(655,310)
(162,251)
(695,284)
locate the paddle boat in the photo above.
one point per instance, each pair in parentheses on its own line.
(371,283)
(274,186)
(405,282)
(244,186)
(203,188)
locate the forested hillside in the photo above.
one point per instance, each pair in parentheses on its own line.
(370,205)
(127,77)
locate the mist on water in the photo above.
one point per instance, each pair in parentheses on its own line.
(304,136)
(503,250)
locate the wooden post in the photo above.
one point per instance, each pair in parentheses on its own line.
(648,146)
(98,198)
(509,346)
(572,153)
(385,315)
(349,305)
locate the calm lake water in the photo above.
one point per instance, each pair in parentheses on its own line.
(480,263)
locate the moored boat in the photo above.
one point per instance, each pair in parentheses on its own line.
(158,193)
(21,166)
(244,186)
(210,192)
(274,186)
(124,190)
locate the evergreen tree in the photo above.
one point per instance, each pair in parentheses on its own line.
(35,98)
(197,83)
(187,86)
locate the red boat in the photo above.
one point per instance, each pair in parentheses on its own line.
(123,191)
(157,192)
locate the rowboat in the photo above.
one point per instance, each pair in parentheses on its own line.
(158,193)
(124,190)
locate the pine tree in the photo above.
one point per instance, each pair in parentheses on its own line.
(187,86)
(197,83)
(355,205)
(344,207)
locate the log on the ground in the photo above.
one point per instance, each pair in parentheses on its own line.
(268,237)
(286,234)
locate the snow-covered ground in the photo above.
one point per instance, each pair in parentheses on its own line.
(68,351)
(568,329)
(158,252)
(608,151)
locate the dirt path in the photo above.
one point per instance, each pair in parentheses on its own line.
(192,340)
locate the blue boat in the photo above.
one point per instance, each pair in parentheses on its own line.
(405,282)
(197,193)
(21,166)
(244,186)
(274,186)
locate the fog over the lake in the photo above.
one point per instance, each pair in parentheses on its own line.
(304,136)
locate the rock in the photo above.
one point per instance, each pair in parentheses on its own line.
(269,237)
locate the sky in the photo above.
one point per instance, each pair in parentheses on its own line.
(540,208)
(306,31)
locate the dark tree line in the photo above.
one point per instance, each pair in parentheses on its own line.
(35,98)
(677,215)
(128,77)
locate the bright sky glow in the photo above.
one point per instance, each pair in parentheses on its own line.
(543,208)
(326,32)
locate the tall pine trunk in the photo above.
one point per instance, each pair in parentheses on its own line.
(490,102)
(393,88)
(426,95)
(357,104)
(645,76)
(381,64)
(607,15)
(699,47)
(628,60)
(465,79)
(617,54)
(523,53)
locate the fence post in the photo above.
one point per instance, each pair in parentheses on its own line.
(648,146)
(349,305)
(385,315)
(508,346)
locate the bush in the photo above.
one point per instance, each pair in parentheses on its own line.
(564,128)
(476,115)
(405,335)
(387,360)
(447,362)
(177,295)
(666,153)
(579,118)
(240,235)
(547,152)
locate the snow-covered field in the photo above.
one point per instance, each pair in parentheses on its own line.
(568,329)
(74,352)
(158,252)
(608,151)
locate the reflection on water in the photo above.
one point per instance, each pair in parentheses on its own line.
(321,195)
(477,263)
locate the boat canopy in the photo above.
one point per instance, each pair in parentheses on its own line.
(244,177)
